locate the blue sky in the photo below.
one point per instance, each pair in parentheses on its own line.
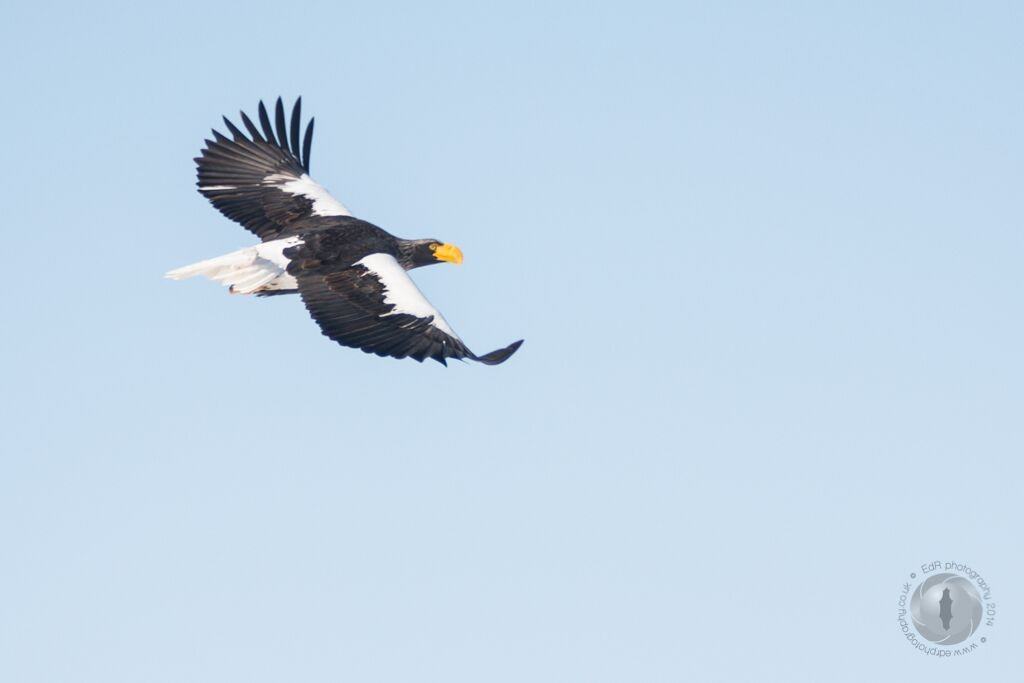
(766,262)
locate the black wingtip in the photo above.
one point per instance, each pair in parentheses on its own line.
(499,356)
(307,144)
(268,130)
(294,137)
(235,133)
(251,127)
(282,129)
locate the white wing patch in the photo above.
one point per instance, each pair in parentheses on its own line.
(402,292)
(254,269)
(323,203)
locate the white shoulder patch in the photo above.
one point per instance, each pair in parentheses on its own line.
(323,203)
(402,292)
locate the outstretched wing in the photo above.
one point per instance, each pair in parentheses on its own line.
(263,182)
(374,305)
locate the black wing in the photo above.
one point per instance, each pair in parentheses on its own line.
(263,181)
(380,310)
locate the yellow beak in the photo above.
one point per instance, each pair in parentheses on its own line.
(448,252)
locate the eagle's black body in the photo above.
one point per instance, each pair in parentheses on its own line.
(336,242)
(339,265)
(342,239)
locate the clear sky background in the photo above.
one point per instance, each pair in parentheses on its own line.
(766,260)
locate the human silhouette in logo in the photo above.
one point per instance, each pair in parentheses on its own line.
(946,609)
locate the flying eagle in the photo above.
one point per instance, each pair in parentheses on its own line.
(352,275)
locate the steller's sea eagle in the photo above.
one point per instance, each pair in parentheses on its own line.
(352,276)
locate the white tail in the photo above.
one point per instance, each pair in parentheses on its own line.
(253,269)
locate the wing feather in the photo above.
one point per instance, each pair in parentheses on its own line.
(251,127)
(378,309)
(260,180)
(296,114)
(268,131)
(282,131)
(307,144)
